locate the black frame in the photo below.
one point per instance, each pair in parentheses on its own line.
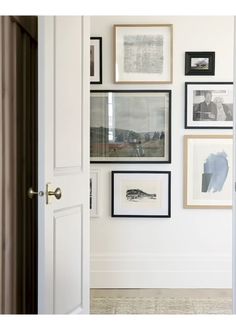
(191,71)
(186,106)
(141,216)
(168,161)
(100,60)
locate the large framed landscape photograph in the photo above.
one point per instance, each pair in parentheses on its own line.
(144,194)
(208,171)
(209,105)
(143,53)
(130,126)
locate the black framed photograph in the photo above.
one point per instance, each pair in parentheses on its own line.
(141,194)
(209,105)
(96,60)
(199,63)
(143,53)
(94,197)
(130,126)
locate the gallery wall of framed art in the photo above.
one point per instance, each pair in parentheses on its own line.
(133,240)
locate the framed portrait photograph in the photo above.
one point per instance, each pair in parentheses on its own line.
(143,53)
(208,172)
(94,194)
(199,63)
(209,105)
(96,60)
(143,194)
(130,126)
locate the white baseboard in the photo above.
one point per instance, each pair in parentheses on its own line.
(157,271)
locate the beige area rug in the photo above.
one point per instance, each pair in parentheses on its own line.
(162,305)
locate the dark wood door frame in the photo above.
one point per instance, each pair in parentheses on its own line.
(18,119)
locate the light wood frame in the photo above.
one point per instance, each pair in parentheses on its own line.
(186,168)
(149,80)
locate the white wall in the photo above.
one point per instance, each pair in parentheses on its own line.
(193,248)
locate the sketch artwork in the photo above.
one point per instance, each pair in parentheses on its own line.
(136,195)
(143,54)
(215,172)
(141,194)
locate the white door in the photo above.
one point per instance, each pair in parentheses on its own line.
(63,224)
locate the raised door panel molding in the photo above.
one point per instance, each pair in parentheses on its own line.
(68,94)
(67,240)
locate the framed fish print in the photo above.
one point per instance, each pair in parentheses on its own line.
(208,171)
(143,53)
(130,126)
(141,194)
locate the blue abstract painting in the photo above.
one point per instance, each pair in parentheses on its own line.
(215,171)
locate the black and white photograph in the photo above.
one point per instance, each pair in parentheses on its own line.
(143,53)
(200,63)
(141,194)
(130,126)
(209,105)
(93,193)
(96,60)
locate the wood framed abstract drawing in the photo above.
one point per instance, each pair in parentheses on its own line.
(130,126)
(96,60)
(199,63)
(141,194)
(143,53)
(208,171)
(209,105)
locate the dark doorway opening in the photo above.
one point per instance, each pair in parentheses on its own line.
(19,114)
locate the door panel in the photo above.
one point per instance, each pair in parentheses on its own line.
(64,162)
(68,100)
(68,239)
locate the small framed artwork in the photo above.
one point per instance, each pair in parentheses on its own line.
(144,194)
(208,172)
(94,195)
(130,126)
(199,63)
(96,60)
(209,105)
(143,53)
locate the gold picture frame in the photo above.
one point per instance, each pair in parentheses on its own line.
(208,172)
(143,53)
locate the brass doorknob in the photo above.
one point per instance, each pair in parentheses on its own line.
(32,193)
(57,193)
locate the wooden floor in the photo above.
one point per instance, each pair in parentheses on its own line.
(161,301)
